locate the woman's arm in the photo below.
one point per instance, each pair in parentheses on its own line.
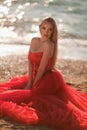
(46,55)
(30,79)
(30,71)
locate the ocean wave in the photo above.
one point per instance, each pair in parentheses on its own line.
(75,49)
(19,17)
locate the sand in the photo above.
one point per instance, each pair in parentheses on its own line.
(74,72)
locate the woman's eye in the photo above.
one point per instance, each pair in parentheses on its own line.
(43,28)
(50,30)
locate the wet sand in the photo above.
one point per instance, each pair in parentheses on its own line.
(74,72)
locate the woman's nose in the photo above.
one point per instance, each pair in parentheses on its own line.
(46,31)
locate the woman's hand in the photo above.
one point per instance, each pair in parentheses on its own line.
(28,86)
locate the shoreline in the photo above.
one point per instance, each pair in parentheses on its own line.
(75,49)
(74,73)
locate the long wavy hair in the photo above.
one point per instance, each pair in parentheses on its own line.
(54,38)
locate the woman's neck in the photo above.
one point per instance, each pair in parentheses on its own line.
(43,40)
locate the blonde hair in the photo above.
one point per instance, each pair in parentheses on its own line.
(54,38)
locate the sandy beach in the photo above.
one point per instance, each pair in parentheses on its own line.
(74,72)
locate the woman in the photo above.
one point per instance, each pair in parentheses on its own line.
(45,44)
(43,97)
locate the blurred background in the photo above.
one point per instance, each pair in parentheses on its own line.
(19,20)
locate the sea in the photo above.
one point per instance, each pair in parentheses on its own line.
(19,20)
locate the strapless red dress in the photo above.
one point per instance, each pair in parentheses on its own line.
(50,102)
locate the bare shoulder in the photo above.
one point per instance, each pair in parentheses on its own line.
(49,48)
(34,39)
(49,44)
(33,44)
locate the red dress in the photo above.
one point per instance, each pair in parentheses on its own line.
(50,102)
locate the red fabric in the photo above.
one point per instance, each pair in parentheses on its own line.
(50,102)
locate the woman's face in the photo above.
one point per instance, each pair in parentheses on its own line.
(46,30)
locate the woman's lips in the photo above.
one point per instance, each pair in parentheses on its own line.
(45,35)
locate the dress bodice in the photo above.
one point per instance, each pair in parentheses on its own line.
(35,58)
